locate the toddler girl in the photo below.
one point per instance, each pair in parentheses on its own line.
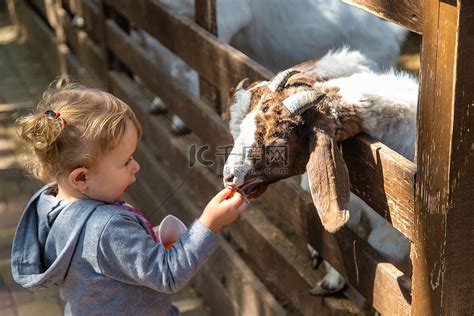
(77,234)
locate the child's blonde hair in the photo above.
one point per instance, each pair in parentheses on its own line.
(90,123)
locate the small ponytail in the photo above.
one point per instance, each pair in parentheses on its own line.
(40,131)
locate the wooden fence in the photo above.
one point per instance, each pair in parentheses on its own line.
(429,202)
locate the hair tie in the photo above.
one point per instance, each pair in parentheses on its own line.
(55,115)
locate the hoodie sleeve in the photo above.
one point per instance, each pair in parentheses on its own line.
(128,254)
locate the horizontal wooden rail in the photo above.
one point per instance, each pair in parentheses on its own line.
(408,13)
(393,196)
(221,64)
(354,258)
(387,175)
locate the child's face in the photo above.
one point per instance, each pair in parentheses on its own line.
(116,170)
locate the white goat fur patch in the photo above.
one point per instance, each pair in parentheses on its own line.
(238,163)
(343,63)
(387,104)
(238,110)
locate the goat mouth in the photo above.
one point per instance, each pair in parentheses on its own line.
(251,188)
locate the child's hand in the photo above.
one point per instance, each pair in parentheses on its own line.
(221,211)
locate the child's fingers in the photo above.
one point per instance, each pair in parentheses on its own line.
(242,207)
(235,200)
(222,195)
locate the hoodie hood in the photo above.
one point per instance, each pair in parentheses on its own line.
(46,238)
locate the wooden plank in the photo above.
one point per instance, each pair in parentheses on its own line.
(408,13)
(443,255)
(388,176)
(264,245)
(85,50)
(205,16)
(73,6)
(252,298)
(40,7)
(92,19)
(219,63)
(46,10)
(41,38)
(77,71)
(364,268)
(73,67)
(214,294)
(350,255)
(197,115)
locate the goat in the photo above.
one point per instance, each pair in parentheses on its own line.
(309,109)
(265,31)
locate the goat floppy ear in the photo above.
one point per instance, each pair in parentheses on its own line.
(328,180)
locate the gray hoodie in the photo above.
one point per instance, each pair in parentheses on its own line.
(103,257)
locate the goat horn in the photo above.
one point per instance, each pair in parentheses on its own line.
(241,84)
(280,79)
(300,102)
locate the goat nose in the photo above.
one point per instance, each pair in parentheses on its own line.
(229,179)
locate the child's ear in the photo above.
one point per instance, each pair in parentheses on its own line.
(78,178)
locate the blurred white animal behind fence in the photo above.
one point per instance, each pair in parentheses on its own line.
(280,33)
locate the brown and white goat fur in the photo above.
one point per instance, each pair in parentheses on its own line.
(309,109)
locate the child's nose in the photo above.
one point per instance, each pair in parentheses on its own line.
(136,166)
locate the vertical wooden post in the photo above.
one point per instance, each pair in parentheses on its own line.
(103,44)
(111,62)
(205,12)
(443,257)
(205,16)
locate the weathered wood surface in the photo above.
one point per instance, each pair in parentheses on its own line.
(205,16)
(408,13)
(92,19)
(73,6)
(77,71)
(219,63)
(41,37)
(266,246)
(204,184)
(388,176)
(40,7)
(443,258)
(86,51)
(350,255)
